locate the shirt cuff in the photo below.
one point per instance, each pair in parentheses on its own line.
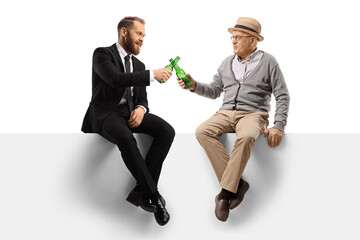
(142,107)
(152,76)
(279,125)
(199,88)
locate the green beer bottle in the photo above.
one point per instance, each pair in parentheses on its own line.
(181,75)
(171,65)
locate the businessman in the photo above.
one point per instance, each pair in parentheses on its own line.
(247,78)
(119,108)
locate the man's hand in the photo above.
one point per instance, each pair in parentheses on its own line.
(136,117)
(162,74)
(274,138)
(182,84)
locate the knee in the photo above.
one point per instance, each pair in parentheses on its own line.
(247,139)
(168,132)
(201,132)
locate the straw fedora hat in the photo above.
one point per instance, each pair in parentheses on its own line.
(249,25)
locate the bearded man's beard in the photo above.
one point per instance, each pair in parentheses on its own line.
(130,45)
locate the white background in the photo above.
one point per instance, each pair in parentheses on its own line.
(310,190)
(46,52)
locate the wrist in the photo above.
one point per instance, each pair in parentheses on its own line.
(141,108)
(193,87)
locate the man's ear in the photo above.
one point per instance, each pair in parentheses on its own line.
(254,42)
(123,31)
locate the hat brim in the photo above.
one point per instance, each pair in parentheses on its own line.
(258,36)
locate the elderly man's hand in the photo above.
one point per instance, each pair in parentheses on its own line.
(274,138)
(182,84)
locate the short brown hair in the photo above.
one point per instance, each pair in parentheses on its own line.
(127,23)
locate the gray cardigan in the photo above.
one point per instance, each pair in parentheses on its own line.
(254,94)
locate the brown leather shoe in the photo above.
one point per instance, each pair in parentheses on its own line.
(221,209)
(239,196)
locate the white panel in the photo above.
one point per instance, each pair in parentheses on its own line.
(73,186)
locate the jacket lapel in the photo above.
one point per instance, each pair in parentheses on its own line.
(136,64)
(118,63)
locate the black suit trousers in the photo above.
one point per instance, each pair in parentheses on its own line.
(146,171)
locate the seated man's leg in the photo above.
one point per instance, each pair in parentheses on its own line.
(250,126)
(116,130)
(208,135)
(163,134)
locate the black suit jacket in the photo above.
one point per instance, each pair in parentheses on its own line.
(109,81)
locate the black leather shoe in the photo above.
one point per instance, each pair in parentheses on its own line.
(162,217)
(137,198)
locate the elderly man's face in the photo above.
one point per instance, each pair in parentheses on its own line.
(243,43)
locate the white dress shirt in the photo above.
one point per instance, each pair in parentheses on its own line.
(123,54)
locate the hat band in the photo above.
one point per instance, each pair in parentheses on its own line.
(246,28)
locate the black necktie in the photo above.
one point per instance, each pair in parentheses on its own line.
(128,89)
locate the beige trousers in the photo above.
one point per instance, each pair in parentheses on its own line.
(248,126)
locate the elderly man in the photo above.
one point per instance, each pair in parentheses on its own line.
(248,78)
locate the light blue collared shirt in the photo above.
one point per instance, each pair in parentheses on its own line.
(242,69)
